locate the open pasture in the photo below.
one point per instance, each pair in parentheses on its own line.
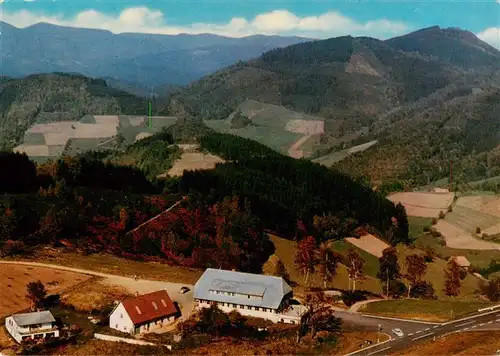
(423,204)
(33,150)
(459,238)
(469,219)
(194,161)
(14,278)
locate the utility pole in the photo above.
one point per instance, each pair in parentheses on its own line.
(379,329)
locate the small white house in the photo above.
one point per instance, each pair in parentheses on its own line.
(255,295)
(38,325)
(143,313)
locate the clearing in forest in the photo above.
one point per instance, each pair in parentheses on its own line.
(194,161)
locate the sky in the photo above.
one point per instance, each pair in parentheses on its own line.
(237,18)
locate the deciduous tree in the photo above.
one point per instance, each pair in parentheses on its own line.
(319,315)
(36,293)
(491,289)
(452,281)
(306,258)
(328,261)
(389,267)
(415,270)
(355,268)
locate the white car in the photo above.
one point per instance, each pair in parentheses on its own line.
(398,332)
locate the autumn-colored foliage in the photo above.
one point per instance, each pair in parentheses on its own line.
(306,258)
(452,282)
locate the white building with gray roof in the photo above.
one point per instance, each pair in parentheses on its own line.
(254,295)
(38,325)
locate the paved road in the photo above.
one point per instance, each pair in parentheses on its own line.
(485,320)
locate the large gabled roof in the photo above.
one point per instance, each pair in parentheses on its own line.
(270,290)
(148,307)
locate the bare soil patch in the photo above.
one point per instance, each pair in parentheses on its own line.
(13,281)
(369,243)
(194,161)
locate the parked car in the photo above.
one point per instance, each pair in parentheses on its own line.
(398,332)
(184,290)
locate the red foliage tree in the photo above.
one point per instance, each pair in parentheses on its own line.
(306,258)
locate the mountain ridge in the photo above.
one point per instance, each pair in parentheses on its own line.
(92,52)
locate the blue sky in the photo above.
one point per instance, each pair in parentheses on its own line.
(312,18)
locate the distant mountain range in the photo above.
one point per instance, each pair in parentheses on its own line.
(146,59)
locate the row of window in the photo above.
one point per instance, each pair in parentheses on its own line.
(232,294)
(248,307)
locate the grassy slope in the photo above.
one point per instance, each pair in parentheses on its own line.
(429,310)
(468,343)
(286,251)
(118,266)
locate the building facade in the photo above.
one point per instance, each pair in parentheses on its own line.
(38,325)
(143,313)
(255,295)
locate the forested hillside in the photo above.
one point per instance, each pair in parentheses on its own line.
(57,97)
(94,204)
(428,97)
(287,193)
(417,144)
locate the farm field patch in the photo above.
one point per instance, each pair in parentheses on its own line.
(277,127)
(369,243)
(14,278)
(423,204)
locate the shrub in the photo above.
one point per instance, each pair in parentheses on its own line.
(478,230)
(441,215)
(13,247)
(434,221)
(424,290)
(430,254)
(351,297)
(450,209)
(484,235)
(397,289)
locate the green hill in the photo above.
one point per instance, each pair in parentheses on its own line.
(57,97)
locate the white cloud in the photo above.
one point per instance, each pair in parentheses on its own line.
(491,35)
(146,20)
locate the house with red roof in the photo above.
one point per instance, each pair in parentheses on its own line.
(143,313)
